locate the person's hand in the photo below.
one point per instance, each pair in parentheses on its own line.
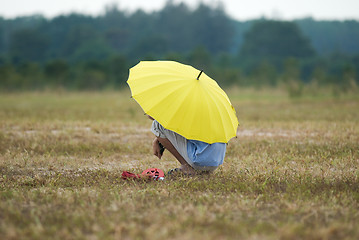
(156,148)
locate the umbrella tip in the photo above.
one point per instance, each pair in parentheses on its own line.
(199,74)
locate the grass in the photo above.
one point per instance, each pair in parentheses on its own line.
(291,173)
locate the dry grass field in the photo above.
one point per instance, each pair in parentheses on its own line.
(291,173)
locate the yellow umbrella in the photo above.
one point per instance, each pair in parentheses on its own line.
(184,100)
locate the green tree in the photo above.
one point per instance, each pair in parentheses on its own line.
(212,28)
(226,71)
(328,37)
(78,36)
(113,27)
(274,41)
(31,75)
(173,22)
(175,56)
(28,45)
(57,73)
(140,25)
(347,80)
(91,75)
(264,74)
(91,79)
(153,45)
(2,37)
(117,38)
(118,71)
(201,59)
(92,50)
(291,78)
(9,77)
(319,76)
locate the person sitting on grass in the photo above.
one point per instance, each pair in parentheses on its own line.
(193,155)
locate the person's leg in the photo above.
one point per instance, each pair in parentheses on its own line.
(175,144)
(185,167)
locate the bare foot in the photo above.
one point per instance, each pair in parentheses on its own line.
(188,170)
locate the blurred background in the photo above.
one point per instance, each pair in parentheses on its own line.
(78,45)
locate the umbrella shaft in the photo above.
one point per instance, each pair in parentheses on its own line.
(199,74)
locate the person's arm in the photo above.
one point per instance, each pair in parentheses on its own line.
(157,148)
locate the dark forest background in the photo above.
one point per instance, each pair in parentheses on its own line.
(80,52)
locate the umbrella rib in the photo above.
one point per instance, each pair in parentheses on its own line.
(183,97)
(164,99)
(220,105)
(160,84)
(221,117)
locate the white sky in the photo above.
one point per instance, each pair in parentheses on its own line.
(237,9)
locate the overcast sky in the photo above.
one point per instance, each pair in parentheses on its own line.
(237,9)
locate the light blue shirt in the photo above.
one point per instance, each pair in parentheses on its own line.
(205,154)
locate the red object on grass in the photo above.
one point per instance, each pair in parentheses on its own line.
(155,173)
(151,173)
(126,175)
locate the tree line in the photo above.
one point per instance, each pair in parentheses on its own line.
(77,51)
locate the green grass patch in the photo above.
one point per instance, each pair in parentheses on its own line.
(291,173)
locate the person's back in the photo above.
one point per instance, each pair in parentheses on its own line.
(206,155)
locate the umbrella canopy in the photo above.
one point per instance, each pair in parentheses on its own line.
(184,100)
